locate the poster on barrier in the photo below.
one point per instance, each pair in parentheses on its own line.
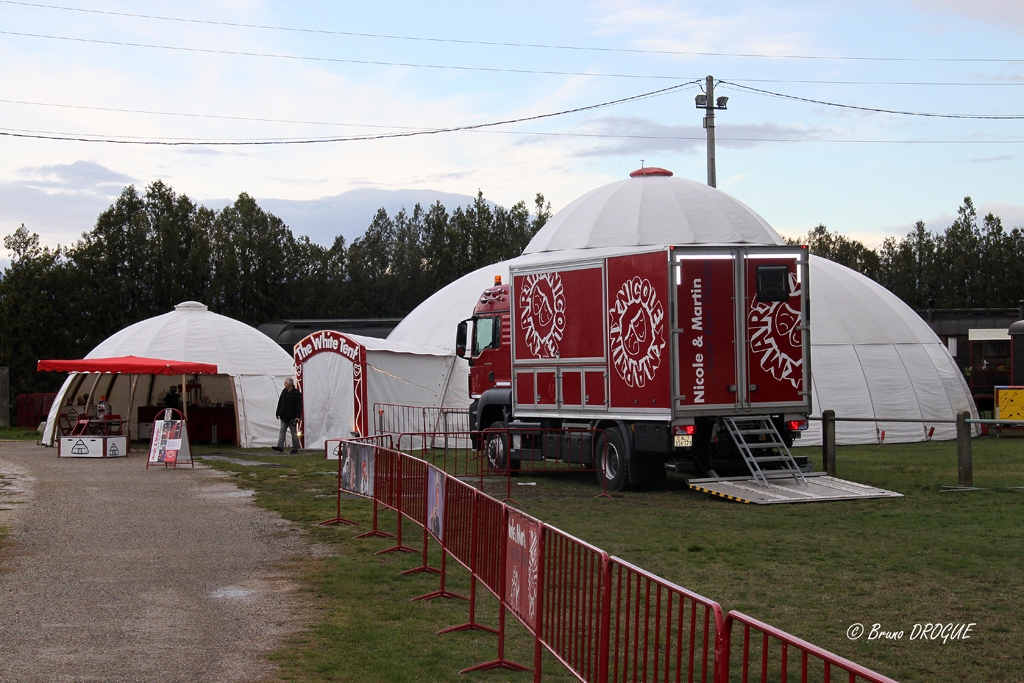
(435,501)
(357,468)
(522,558)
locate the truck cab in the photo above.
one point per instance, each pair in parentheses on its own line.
(485,342)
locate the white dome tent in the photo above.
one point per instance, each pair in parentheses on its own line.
(252,369)
(871,355)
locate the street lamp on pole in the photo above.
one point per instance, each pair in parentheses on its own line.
(709,104)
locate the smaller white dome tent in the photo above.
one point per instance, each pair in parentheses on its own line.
(252,369)
(871,355)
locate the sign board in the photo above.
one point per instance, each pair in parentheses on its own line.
(522,564)
(169,444)
(357,460)
(436,480)
(92,447)
(1009,403)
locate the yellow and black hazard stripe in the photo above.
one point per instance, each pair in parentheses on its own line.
(719,494)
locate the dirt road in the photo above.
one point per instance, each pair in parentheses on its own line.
(115,573)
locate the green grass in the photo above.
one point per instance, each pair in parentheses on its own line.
(810,569)
(18,434)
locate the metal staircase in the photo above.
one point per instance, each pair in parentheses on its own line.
(760,444)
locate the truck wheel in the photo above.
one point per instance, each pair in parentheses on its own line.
(496,448)
(611,461)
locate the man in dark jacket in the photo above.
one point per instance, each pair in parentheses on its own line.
(289,410)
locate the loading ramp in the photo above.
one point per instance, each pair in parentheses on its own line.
(781,487)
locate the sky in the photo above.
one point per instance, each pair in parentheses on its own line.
(253,70)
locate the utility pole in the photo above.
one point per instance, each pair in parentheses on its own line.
(709,104)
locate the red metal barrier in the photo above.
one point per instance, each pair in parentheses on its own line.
(451,451)
(574,604)
(391,418)
(659,631)
(388,491)
(493,511)
(813,663)
(34,408)
(601,617)
(414,505)
(462,525)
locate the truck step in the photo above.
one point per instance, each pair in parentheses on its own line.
(762,426)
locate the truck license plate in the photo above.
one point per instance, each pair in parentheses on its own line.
(684,440)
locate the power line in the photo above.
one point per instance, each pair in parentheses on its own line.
(334,60)
(205,116)
(543,46)
(769,93)
(88,137)
(96,137)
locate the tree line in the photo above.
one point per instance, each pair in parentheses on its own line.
(151,250)
(967,265)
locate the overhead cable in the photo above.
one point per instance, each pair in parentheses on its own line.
(876,110)
(88,137)
(334,60)
(489,43)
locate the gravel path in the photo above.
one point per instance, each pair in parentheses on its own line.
(115,573)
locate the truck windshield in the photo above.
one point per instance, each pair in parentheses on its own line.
(484,336)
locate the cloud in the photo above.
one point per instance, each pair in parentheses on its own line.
(677,26)
(76,177)
(1004,13)
(59,201)
(639,135)
(985,160)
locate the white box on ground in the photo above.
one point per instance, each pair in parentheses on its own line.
(116,446)
(92,447)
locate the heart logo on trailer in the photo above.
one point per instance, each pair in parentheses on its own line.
(636,331)
(542,313)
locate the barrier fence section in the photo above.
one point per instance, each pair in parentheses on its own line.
(602,618)
(392,418)
(661,631)
(768,657)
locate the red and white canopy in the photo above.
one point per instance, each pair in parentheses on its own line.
(128,365)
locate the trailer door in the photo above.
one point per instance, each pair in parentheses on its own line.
(777,342)
(704,332)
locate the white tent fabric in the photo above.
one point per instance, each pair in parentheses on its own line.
(871,355)
(255,365)
(329,404)
(394,373)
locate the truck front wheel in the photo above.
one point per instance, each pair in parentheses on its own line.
(496,448)
(611,460)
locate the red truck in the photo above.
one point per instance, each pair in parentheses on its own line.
(655,351)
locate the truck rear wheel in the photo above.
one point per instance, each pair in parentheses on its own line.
(496,448)
(610,458)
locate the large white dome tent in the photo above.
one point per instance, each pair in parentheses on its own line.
(871,355)
(252,369)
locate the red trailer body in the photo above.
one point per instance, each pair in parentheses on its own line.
(657,345)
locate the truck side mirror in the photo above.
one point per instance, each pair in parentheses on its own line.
(460,339)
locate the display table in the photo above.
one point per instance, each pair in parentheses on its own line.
(92,447)
(213,424)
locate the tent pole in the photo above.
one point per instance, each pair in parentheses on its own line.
(92,390)
(184,399)
(132,379)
